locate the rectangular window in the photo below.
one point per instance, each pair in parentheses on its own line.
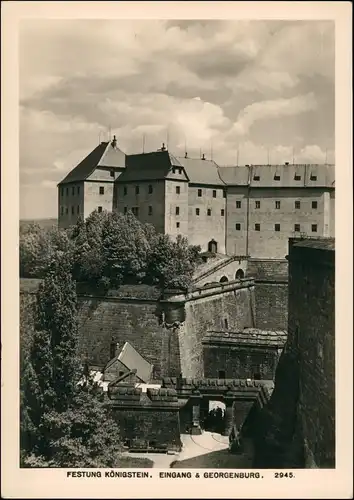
(199,193)
(209,211)
(222,212)
(297,228)
(197,211)
(99,209)
(73,190)
(276,227)
(297,177)
(180,171)
(173,170)
(111,173)
(313,177)
(125,190)
(314,204)
(277,177)
(72,211)
(150,189)
(177,210)
(277,204)
(78,209)
(67,191)
(101,190)
(314,228)
(258,204)
(150,210)
(238,204)
(238,227)
(78,189)
(257,227)
(135,211)
(177,224)
(214,193)
(137,190)
(224,194)
(62,191)
(62,210)
(256,178)
(178,190)
(125,210)
(297,204)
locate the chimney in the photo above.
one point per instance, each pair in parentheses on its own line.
(203,156)
(113,349)
(114,142)
(163,147)
(186,154)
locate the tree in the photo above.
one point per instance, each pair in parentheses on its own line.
(63,423)
(125,249)
(38,247)
(172,263)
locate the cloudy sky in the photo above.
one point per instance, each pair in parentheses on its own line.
(259,87)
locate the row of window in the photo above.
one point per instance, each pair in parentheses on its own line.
(66,210)
(200,193)
(76,189)
(297,204)
(135,211)
(72,210)
(178,191)
(297,227)
(297,177)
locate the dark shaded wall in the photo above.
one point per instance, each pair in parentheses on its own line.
(312,337)
(271,298)
(156,428)
(297,428)
(136,321)
(271,292)
(240,363)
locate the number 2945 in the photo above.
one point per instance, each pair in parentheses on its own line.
(281,475)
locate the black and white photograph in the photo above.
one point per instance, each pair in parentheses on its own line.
(176,246)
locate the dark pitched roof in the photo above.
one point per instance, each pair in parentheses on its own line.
(146,166)
(104,155)
(317,243)
(248,336)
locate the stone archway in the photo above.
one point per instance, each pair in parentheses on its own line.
(212,246)
(224,279)
(239,274)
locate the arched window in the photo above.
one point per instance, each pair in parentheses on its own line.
(223,279)
(212,246)
(239,274)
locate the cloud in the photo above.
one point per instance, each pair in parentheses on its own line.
(252,85)
(267,110)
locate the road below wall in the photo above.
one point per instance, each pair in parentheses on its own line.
(209,450)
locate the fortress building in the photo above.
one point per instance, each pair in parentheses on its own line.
(248,211)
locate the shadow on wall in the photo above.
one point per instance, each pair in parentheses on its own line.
(277,442)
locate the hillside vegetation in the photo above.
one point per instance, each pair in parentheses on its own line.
(109,250)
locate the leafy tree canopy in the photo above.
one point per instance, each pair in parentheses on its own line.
(111,249)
